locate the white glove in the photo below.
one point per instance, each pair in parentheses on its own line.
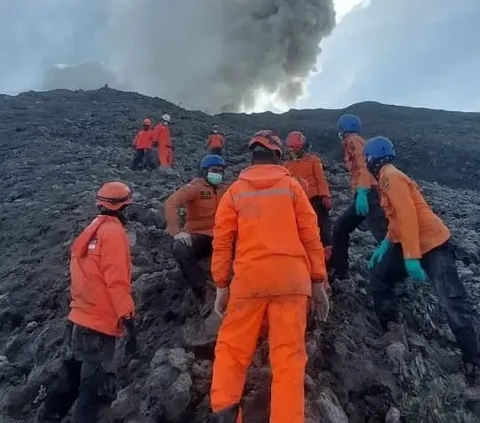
(221,301)
(321,303)
(184,237)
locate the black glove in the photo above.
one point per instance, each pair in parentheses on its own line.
(131,344)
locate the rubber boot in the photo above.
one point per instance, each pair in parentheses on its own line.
(228,415)
(395,333)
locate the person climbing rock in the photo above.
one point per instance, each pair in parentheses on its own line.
(365,207)
(143,144)
(266,228)
(417,245)
(200,197)
(304,165)
(101,311)
(163,140)
(215,141)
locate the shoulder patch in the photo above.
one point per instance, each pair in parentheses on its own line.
(385,183)
(205,195)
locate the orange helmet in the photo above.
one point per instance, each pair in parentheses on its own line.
(268,139)
(114,195)
(296,141)
(147,121)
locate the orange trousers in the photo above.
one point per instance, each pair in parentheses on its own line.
(236,345)
(165,156)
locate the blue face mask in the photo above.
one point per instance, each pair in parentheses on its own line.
(214,178)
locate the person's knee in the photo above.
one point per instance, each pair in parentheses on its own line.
(180,250)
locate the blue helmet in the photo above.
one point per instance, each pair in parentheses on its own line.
(348,124)
(212,160)
(378,148)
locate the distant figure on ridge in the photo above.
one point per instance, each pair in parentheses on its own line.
(143,145)
(163,140)
(216,141)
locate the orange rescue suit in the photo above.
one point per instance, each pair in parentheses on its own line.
(143,140)
(310,168)
(354,160)
(200,200)
(411,221)
(266,227)
(161,135)
(100,270)
(216,141)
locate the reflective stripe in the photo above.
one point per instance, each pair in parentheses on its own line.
(265,193)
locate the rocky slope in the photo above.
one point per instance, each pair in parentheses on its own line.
(58,147)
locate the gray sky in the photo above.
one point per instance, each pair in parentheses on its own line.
(411,52)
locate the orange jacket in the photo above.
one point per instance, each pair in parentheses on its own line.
(266,226)
(161,136)
(354,160)
(309,167)
(100,269)
(216,141)
(411,221)
(200,200)
(303,183)
(143,139)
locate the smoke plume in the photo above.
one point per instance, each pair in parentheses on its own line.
(213,55)
(218,55)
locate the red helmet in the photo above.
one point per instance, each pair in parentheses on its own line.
(147,122)
(296,141)
(268,139)
(114,195)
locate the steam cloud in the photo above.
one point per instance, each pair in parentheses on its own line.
(213,55)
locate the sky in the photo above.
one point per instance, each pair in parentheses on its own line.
(235,54)
(410,52)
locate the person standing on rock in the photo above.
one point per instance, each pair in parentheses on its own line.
(304,165)
(163,140)
(101,311)
(366,205)
(215,141)
(267,229)
(417,245)
(200,197)
(143,145)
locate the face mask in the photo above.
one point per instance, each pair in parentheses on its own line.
(340,135)
(215,131)
(214,178)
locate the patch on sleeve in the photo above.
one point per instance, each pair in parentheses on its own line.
(385,183)
(205,195)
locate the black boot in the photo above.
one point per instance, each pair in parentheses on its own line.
(467,342)
(227,415)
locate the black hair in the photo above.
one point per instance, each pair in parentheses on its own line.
(261,155)
(119,214)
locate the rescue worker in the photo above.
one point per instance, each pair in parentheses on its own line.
(266,227)
(163,140)
(309,167)
(192,243)
(215,142)
(366,205)
(417,245)
(101,311)
(143,144)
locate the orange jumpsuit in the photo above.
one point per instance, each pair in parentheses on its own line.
(354,160)
(161,135)
(143,140)
(411,221)
(200,200)
(309,167)
(266,227)
(101,277)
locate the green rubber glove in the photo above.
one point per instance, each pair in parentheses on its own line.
(361,201)
(415,270)
(379,253)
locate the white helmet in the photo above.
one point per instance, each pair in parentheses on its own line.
(166,117)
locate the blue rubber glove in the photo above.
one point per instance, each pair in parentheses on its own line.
(361,201)
(415,270)
(379,253)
